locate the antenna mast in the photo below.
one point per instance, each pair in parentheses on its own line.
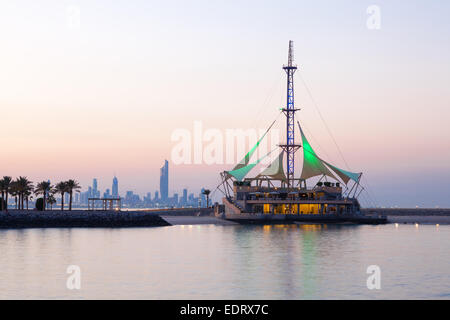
(290,147)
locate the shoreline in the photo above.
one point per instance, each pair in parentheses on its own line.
(22,219)
(428,220)
(408,211)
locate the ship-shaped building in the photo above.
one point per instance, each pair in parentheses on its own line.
(276,196)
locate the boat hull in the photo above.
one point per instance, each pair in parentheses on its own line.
(246,218)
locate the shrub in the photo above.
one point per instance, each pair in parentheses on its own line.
(40,204)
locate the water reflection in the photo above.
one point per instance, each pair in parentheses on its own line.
(305,261)
(288,254)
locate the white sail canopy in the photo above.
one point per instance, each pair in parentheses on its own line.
(275,170)
(345,176)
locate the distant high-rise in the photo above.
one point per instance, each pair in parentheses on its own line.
(115,188)
(164,181)
(203,198)
(184,199)
(95,191)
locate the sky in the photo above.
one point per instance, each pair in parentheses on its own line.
(89,89)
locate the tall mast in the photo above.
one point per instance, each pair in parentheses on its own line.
(290,147)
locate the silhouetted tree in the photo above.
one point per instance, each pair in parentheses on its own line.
(61,188)
(40,204)
(2,190)
(43,188)
(28,196)
(206,192)
(51,200)
(14,192)
(6,182)
(72,185)
(23,187)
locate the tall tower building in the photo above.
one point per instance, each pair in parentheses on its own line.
(184,199)
(202,200)
(164,181)
(95,191)
(115,188)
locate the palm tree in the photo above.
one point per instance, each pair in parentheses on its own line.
(206,192)
(28,191)
(2,189)
(72,185)
(28,196)
(15,192)
(51,200)
(43,188)
(6,182)
(23,186)
(61,187)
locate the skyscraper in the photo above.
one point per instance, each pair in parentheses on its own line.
(115,188)
(164,181)
(202,198)
(184,199)
(95,191)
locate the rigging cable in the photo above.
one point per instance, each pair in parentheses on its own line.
(267,101)
(323,120)
(276,119)
(328,129)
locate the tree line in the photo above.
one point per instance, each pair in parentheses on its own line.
(22,190)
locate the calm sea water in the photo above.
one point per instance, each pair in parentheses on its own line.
(227,262)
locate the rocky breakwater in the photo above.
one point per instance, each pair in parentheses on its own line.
(16,219)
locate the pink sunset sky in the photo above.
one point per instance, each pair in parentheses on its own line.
(89,89)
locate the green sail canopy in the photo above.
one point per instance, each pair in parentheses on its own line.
(314,166)
(244,162)
(240,173)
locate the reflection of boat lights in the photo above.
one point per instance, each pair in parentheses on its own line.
(311,227)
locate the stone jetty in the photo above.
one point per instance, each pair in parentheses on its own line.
(17,219)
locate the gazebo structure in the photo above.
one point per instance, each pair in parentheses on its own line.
(107,204)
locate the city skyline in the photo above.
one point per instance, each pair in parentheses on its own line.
(159,198)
